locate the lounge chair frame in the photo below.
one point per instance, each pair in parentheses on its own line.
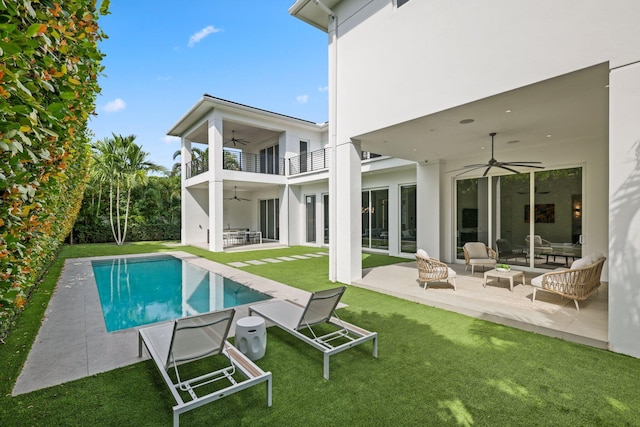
(253,375)
(294,318)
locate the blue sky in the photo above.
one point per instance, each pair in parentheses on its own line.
(162,56)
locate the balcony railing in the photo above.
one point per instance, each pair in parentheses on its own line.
(251,162)
(197,166)
(316,160)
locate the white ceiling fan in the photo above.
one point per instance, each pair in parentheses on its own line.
(235,196)
(494,163)
(235,141)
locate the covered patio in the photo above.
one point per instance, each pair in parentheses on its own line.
(549,315)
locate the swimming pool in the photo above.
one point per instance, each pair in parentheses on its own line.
(136,291)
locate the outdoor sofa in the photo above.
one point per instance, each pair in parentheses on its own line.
(576,283)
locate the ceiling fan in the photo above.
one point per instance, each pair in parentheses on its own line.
(235,196)
(494,163)
(235,141)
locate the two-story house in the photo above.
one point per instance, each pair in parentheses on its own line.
(429,81)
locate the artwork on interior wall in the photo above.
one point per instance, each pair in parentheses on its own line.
(543,213)
(469,218)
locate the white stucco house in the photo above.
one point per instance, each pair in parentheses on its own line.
(423,84)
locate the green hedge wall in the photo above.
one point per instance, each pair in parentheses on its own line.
(49,64)
(101,233)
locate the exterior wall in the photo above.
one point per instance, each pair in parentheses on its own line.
(196,215)
(624,202)
(442,48)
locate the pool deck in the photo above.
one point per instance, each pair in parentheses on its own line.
(73,342)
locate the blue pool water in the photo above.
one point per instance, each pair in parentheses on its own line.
(142,290)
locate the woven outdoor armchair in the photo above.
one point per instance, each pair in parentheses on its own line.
(432,270)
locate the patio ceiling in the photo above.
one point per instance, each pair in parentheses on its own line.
(570,108)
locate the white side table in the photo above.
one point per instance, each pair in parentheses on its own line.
(251,337)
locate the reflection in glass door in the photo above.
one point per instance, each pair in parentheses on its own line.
(375,219)
(408,219)
(472,214)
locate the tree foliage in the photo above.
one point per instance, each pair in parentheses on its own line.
(120,165)
(49,64)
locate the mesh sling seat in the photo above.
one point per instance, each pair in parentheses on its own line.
(193,338)
(320,309)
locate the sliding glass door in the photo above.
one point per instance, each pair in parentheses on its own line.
(270,219)
(408,219)
(375,219)
(535,218)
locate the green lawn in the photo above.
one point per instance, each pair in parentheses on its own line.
(434,368)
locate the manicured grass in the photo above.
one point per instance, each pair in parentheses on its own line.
(434,368)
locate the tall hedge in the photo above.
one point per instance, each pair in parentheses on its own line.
(49,64)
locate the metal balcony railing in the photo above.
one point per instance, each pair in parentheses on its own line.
(257,163)
(251,162)
(197,166)
(316,160)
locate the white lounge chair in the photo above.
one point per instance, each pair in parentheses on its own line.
(192,338)
(320,308)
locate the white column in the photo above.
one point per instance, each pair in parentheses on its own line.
(185,157)
(345,213)
(215,184)
(285,215)
(624,210)
(428,207)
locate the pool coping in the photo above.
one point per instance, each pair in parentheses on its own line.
(73,341)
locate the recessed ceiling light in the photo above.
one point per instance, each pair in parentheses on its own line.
(515,141)
(507,111)
(413,149)
(466,121)
(482,148)
(549,136)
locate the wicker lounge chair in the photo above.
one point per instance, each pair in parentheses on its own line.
(432,270)
(477,253)
(320,309)
(192,338)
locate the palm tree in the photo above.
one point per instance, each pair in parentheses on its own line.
(121,164)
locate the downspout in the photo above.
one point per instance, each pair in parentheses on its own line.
(333,122)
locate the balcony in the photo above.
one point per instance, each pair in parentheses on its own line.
(260,163)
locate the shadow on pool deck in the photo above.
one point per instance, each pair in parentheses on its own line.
(73,341)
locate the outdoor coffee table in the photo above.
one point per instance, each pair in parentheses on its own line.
(500,274)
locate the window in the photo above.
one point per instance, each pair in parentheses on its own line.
(310,202)
(400,3)
(270,160)
(325,199)
(303,156)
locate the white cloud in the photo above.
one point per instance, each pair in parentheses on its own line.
(115,105)
(202,34)
(323,89)
(302,99)
(170,139)
(162,78)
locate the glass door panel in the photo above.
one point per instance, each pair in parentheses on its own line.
(510,205)
(310,202)
(472,215)
(408,219)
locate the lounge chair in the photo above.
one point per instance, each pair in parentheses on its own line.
(320,309)
(505,252)
(192,338)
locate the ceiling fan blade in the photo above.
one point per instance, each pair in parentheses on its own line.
(531,163)
(502,166)
(470,167)
(486,171)
(522,165)
(468,170)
